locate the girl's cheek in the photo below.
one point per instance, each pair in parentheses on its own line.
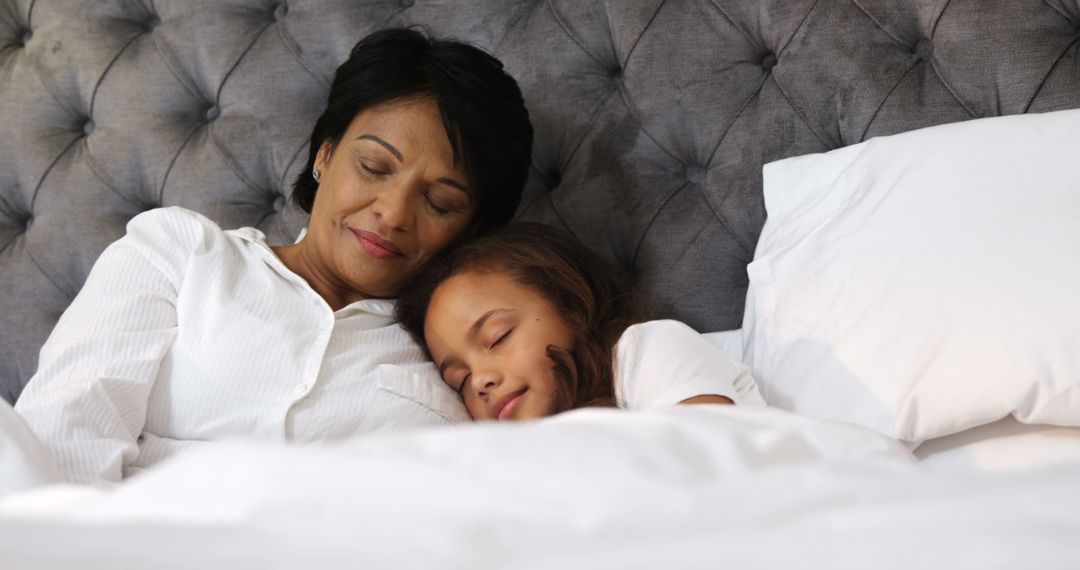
(518,352)
(536,356)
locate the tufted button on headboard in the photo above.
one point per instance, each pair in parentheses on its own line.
(652,117)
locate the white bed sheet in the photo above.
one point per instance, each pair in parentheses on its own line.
(687,487)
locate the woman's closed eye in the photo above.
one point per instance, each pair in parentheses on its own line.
(373,171)
(370,166)
(435,207)
(443,201)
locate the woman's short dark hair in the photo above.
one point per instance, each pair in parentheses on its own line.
(596,300)
(481,105)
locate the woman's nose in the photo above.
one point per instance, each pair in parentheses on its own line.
(393,207)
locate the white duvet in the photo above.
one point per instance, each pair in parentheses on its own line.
(686,487)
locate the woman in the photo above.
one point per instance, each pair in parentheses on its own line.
(526,323)
(185,333)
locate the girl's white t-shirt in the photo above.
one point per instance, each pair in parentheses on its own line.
(661,363)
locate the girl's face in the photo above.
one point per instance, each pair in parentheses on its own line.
(489,337)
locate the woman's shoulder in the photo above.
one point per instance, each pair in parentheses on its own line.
(169,238)
(172,220)
(174,227)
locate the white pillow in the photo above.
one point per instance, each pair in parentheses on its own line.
(924,283)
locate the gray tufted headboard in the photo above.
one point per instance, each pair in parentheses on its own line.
(653,117)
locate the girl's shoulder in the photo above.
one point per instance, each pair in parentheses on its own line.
(665,362)
(667,331)
(650,348)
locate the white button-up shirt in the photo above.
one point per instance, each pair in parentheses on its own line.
(185,333)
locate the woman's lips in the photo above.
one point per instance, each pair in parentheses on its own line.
(506,405)
(376,245)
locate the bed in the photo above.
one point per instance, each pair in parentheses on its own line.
(867,201)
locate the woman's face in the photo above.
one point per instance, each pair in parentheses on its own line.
(390,196)
(489,336)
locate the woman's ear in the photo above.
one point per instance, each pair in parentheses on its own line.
(322,158)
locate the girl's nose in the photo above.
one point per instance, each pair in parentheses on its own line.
(486,381)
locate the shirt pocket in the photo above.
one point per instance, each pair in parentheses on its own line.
(423,390)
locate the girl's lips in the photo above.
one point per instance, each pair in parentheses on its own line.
(376,245)
(506,405)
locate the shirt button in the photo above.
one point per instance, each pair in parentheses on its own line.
(301,389)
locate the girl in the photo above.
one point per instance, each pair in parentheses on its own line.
(527,322)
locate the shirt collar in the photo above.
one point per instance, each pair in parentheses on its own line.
(381,307)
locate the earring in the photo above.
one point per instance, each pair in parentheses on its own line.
(315,174)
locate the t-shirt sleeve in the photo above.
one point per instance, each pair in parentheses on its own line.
(661,363)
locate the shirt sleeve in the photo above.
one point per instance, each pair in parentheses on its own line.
(87,401)
(661,363)
(24,462)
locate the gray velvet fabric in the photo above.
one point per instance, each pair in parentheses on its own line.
(653,117)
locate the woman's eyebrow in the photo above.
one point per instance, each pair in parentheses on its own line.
(393,150)
(456,184)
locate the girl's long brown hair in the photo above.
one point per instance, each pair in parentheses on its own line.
(596,299)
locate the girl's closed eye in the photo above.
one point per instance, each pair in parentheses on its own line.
(501,338)
(456,377)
